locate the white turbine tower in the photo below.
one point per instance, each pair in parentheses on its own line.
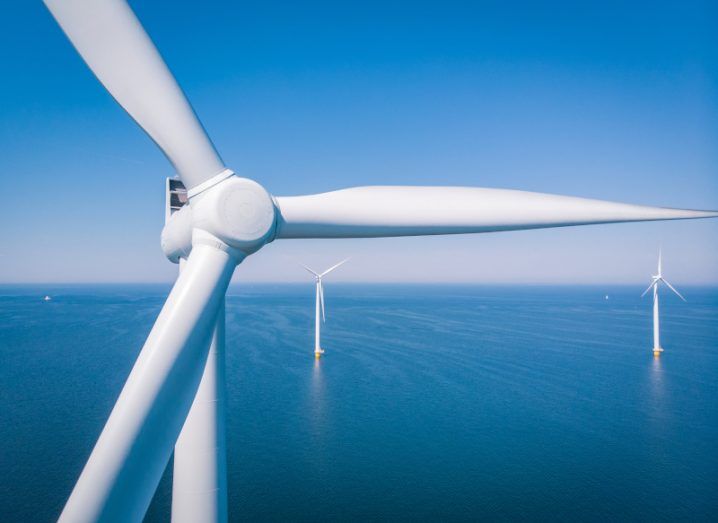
(174,394)
(655,281)
(319,304)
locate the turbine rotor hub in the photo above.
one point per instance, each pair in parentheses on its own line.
(237,211)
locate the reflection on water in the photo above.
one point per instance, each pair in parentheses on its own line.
(319,437)
(656,379)
(657,400)
(318,402)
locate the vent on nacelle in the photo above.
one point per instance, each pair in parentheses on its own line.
(175,196)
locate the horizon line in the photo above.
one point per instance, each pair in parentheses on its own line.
(369,282)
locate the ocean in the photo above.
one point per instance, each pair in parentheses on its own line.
(432,402)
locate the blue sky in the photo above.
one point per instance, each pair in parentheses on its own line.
(604,100)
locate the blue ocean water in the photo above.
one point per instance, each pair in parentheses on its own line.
(433,402)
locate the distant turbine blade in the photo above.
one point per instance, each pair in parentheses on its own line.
(653,283)
(310,270)
(370,212)
(126,465)
(660,262)
(321,299)
(330,269)
(673,289)
(111,40)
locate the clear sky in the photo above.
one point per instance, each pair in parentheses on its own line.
(606,100)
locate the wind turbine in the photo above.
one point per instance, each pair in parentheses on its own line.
(318,351)
(175,389)
(655,281)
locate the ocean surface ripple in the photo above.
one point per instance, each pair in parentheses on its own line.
(432,403)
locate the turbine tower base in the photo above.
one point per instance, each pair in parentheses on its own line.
(318,353)
(657,352)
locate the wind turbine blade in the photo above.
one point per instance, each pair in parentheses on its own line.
(369,212)
(649,288)
(111,40)
(310,270)
(673,289)
(660,262)
(330,269)
(132,452)
(321,299)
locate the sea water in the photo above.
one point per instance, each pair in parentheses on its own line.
(432,402)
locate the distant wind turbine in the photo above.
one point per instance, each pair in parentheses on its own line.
(658,278)
(319,304)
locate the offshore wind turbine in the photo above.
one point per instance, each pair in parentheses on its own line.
(174,391)
(655,281)
(319,303)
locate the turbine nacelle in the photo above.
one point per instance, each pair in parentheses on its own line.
(176,238)
(235,212)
